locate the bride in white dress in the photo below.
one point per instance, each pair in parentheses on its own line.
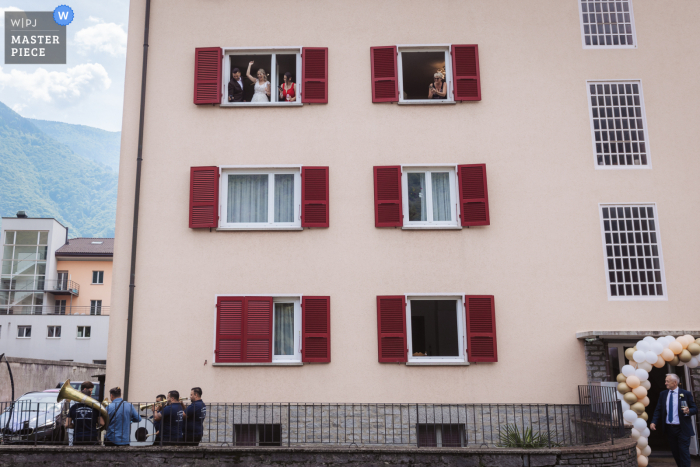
(262,85)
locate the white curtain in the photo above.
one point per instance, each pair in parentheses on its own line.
(441,196)
(247,198)
(284,197)
(284,329)
(416,197)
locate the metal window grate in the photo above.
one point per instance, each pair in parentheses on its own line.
(618,124)
(634,263)
(607,24)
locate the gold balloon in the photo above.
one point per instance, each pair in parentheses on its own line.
(630,398)
(685,356)
(675,361)
(694,349)
(644,416)
(697,341)
(638,408)
(621,378)
(623,388)
(629,353)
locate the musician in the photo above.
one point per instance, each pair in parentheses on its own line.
(156,423)
(121,414)
(84,419)
(195,414)
(172,419)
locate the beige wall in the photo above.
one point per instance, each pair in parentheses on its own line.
(81,272)
(541,257)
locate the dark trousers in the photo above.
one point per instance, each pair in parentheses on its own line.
(193,440)
(109,443)
(679,443)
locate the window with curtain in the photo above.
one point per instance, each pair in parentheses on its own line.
(258,200)
(430,197)
(283,321)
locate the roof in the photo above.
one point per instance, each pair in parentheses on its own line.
(87,247)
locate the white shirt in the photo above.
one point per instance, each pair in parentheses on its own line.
(673,393)
(240,82)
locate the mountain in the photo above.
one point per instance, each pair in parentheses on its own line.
(46,178)
(88,142)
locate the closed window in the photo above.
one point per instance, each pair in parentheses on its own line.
(54,332)
(83,332)
(95,307)
(24,332)
(264,434)
(60,307)
(607,24)
(633,258)
(430,194)
(618,124)
(441,435)
(98,277)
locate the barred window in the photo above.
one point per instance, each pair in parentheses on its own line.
(633,259)
(618,124)
(607,24)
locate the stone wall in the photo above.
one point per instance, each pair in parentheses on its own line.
(32,374)
(622,454)
(596,367)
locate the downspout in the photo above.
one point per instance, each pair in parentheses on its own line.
(134,234)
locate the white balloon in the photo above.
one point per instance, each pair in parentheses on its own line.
(670,338)
(651,356)
(643,346)
(646,451)
(631,416)
(635,434)
(639,356)
(664,341)
(639,424)
(693,363)
(643,375)
(642,442)
(650,340)
(646,432)
(625,405)
(657,347)
(646,384)
(627,370)
(645,366)
(620,396)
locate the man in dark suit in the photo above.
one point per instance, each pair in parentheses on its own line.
(235,86)
(676,422)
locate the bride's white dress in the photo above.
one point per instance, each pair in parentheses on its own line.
(260,92)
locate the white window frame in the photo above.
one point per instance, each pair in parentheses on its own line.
(461,359)
(619,46)
(447,48)
(279,360)
(611,297)
(23,329)
(454,192)
(83,336)
(226,69)
(48,328)
(97,307)
(644,119)
(100,277)
(258,170)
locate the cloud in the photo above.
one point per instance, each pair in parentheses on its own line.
(19,107)
(3,10)
(94,20)
(102,37)
(61,88)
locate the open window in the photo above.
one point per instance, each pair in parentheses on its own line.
(417,69)
(435,329)
(441,435)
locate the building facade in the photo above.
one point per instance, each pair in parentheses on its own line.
(377,239)
(55,292)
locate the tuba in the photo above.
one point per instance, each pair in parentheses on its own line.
(67,392)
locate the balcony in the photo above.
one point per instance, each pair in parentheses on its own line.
(54,310)
(31,284)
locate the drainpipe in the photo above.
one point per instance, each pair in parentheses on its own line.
(134,234)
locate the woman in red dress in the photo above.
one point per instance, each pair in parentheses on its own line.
(288,90)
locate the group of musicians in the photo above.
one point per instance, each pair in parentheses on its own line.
(174,421)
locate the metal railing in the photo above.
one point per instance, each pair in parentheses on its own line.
(603,400)
(33,284)
(342,424)
(53,310)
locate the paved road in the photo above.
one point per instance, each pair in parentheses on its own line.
(664,461)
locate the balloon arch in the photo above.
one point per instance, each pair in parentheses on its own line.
(633,381)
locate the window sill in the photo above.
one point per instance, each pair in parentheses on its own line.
(259,228)
(427,102)
(263,104)
(23,337)
(83,338)
(260,364)
(437,364)
(431,227)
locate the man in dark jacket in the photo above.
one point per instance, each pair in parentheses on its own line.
(674,411)
(235,86)
(172,419)
(195,414)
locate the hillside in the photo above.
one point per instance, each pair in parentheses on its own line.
(46,178)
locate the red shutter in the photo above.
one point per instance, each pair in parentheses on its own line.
(314,197)
(314,75)
(385,83)
(473,194)
(481,328)
(465,71)
(207,75)
(387,196)
(391,326)
(316,329)
(204,197)
(229,329)
(257,333)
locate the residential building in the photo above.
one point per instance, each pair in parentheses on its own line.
(55,292)
(367,243)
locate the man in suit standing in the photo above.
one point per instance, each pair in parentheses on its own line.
(235,86)
(676,422)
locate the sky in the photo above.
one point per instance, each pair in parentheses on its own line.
(89,88)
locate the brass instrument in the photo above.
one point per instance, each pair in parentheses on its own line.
(154,404)
(67,392)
